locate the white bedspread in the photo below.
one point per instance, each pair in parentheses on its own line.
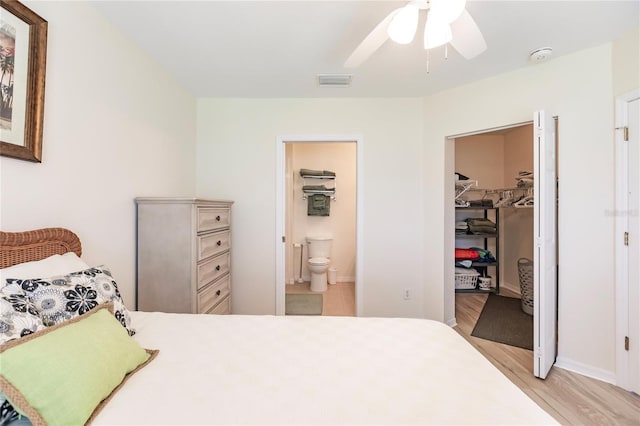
(235,369)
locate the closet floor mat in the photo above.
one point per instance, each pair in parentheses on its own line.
(502,320)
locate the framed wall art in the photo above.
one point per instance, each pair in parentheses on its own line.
(23,53)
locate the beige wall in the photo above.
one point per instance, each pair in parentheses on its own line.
(115,127)
(578,89)
(626,63)
(516,224)
(341,223)
(481,157)
(236,160)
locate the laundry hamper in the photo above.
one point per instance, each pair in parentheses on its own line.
(466,279)
(525,273)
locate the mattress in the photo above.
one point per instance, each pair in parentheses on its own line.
(236,369)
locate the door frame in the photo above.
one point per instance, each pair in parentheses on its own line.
(621,226)
(281,210)
(451,225)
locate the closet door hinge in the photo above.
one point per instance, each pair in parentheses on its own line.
(626,238)
(626,343)
(625,133)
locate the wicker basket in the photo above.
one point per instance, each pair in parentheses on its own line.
(525,273)
(466,281)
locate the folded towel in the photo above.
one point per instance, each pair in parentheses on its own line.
(328,173)
(309,172)
(315,188)
(318,205)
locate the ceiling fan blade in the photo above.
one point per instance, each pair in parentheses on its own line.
(371,43)
(467,38)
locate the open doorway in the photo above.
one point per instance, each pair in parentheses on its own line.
(292,204)
(506,237)
(320,226)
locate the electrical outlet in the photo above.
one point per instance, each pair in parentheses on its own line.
(406,294)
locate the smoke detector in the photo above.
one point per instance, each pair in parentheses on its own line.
(540,55)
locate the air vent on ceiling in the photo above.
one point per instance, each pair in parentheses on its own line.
(334,80)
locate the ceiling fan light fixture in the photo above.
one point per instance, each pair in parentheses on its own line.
(447,10)
(404,24)
(436,32)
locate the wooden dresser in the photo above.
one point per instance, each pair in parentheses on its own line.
(184,255)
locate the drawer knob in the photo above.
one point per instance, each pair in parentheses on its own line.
(218,293)
(219,243)
(218,268)
(218,218)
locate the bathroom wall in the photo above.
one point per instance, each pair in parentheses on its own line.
(341,223)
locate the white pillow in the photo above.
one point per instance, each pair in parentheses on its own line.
(49,267)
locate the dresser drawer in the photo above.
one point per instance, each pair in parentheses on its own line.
(212,294)
(209,270)
(212,244)
(222,308)
(210,218)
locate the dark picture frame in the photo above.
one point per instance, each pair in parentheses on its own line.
(22,70)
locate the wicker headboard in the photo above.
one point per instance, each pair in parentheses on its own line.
(19,247)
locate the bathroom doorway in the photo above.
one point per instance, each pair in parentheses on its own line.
(330,177)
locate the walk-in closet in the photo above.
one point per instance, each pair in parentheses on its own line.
(494,231)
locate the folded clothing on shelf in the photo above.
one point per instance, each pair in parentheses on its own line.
(464,263)
(462,225)
(466,254)
(484,256)
(465,271)
(478,225)
(524,179)
(475,254)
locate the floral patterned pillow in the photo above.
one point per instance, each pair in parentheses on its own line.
(61,298)
(18,316)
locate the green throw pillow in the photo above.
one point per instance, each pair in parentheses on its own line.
(63,375)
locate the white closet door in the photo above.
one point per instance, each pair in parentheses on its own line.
(544,254)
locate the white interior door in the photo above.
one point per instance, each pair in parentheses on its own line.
(544,253)
(633,162)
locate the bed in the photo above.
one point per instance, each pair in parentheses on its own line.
(244,369)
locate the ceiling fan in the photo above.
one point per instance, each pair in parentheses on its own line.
(447,22)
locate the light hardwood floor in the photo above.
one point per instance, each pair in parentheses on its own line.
(570,398)
(338,300)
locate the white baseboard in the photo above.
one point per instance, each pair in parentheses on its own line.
(510,287)
(586,370)
(451,322)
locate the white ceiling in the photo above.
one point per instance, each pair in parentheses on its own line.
(276,48)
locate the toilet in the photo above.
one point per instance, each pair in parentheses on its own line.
(319,252)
